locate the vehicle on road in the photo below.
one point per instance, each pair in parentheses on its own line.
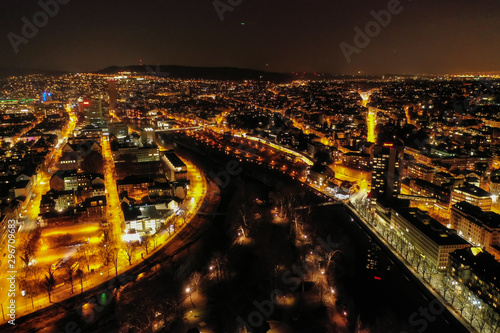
(57,264)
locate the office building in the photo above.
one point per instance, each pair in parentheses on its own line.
(176,169)
(92,111)
(430,238)
(479,272)
(420,171)
(472,194)
(480,228)
(387,162)
(119,130)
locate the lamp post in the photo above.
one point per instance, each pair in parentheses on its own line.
(188,290)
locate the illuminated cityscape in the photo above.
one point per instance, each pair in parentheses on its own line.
(304,195)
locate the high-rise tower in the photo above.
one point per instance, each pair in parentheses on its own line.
(387,162)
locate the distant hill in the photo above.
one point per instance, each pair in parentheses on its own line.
(21,71)
(208,73)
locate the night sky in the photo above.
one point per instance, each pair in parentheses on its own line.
(428,36)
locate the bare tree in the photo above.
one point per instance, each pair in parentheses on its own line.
(105,252)
(24,277)
(106,235)
(49,283)
(290,204)
(420,261)
(428,270)
(218,266)
(483,318)
(473,312)
(296,230)
(444,285)
(170,310)
(329,257)
(453,296)
(400,244)
(405,250)
(79,274)
(494,321)
(146,243)
(114,254)
(243,210)
(462,303)
(143,318)
(129,251)
(86,253)
(28,247)
(31,283)
(70,270)
(319,280)
(195,280)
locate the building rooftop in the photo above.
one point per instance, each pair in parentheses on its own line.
(472,190)
(482,263)
(95,201)
(490,219)
(132,213)
(430,227)
(444,174)
(423,166)
(175,160)
(130,180)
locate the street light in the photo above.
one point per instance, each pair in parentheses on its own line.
(188,290)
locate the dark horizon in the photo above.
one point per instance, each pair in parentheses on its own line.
(33,70)
(449,37)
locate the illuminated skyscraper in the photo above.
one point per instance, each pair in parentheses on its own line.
(387,161)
